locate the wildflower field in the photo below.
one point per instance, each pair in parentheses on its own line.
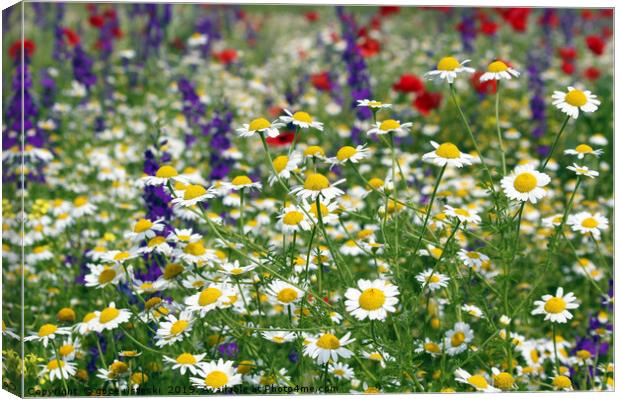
(303,199)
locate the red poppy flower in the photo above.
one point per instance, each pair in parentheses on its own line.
(96,20)
(388,10)
(567,53)
(16,48)
(227,56)
(426,101)
(110,13)
(592,73)
(369,47)
(312,16)
(408,83)
(516,17)
(595,44)
(488,87)
(71,37)
(321,81)
(283,139)
(117,32)
(568,67)
(488,27)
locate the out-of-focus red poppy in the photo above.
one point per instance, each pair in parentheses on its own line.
(117,32)
(409,83)
(71,37)
(568,67)
(312,16)
(567,53)
(275,111)
(96,20)
(516,17)
(369,47)
(281,140)
(595,44)
(388,10)
(110,13)
(592,73)
(607,12)
(321,81)
(488,87)
(587,15)
(607,32)
(226,56)
(488,27)
(426,101)
(16,48)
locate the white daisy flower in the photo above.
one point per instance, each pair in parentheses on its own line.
(119,257)
(191,195)
(164,174)
(327,347)
(103,275)
(82,207)
(341,371)
(556,308)
(472,259)
(301,119)
(59,369)
(110,318)
(292,219)
(216,376)
(350,154)
(279,337)
(448,154)
(328,211)
(145,229)
(242,182)
(432,280)
(463,215)
(390,125)
(212,297)
(186,362)
(284,293)
(373,104)
(183,235)
(582,150)
(583,171)
(317,184)
(585,222)
(350,248)
(478,381)
(472,310)
(260,125)
(498,70)
(284,166)
(235,269)
(448,69)
(430,347)
(573,100)
(373,299)
(46,333)
(174,329)
(525,184)
(87,324)
(457,339)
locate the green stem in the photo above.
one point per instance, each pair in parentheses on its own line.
(62,373)
(499,131)
(429,209)
(555,142)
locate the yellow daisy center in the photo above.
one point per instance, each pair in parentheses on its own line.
(525,182)
(503,380)
(292,218)
(152,302)
(194,191)
(157,240)
(448,151)
(314,150)
(375,104)
(88,317)
(376,183)
(139,378)
(209,296)
(280,163)
(301,116)
(589,223)
(584,354)
(328,341)
(166,172)
(195,248)
(372,299)
(172,270)
(108,314)
(80,201)
(478,381)
(118,367)
(555,305)
(434,279)
(562,382)
(121,255)
(54,364)
(457,338)
(259,124)
(324,210)
(142,225)
(431,347)
(241,180)
(106,276)
(47,329)
(316,182)
(65,350)
(186,358)
(576,98)
(287,295)
(345,152)
(389,124)
(179,326)
(216,379)
(584,149)
(497,66)
(462,212)
(473,255)
(448,64)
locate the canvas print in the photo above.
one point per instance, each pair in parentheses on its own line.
(299,199)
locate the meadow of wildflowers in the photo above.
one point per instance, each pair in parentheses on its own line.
(302,199)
